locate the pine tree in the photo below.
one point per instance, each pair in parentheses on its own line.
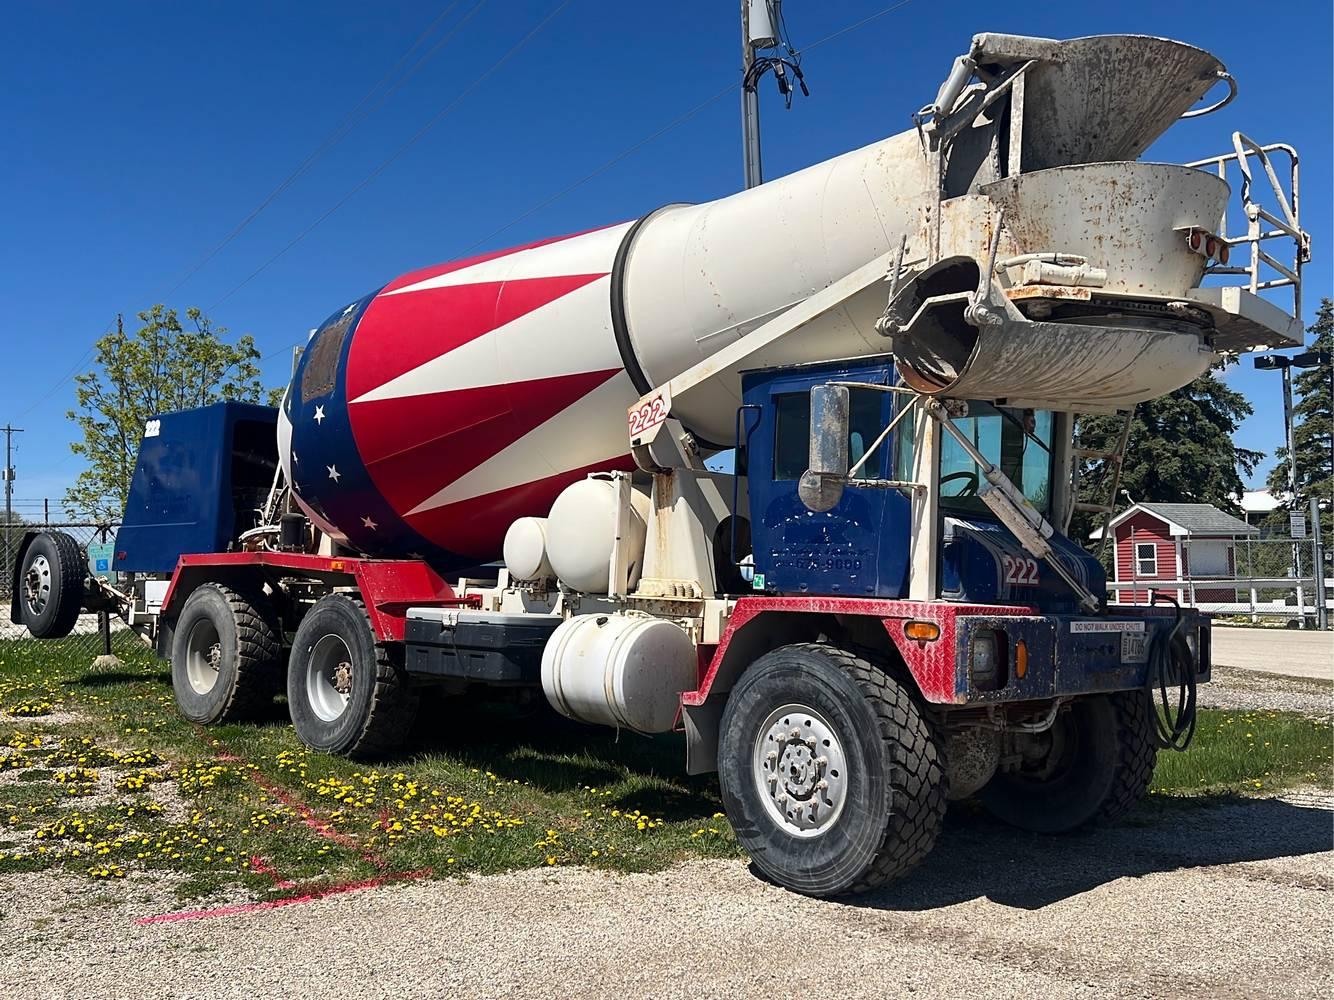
(1313,429)
(1180,451)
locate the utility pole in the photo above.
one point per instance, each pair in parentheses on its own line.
(9,486)
(1285,364)
(750,105)
(762,28)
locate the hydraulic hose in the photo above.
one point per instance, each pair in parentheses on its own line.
(1171,663)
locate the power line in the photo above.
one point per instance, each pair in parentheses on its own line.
(435,119)
(674,123)
(857,24)
(349,121)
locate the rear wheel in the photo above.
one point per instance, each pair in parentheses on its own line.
(226,655)
(830,775)
(347,693)
(1090,767)
(51,585)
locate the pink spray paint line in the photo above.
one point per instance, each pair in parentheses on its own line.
(258,865)
(261,867)
(320,826)
(274,904)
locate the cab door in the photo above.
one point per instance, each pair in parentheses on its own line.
(857,549)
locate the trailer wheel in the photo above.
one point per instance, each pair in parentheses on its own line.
(226,655)
(51,585)
(831,777)
(348,695)
(1091,767)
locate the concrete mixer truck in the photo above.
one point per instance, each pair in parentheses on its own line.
(493,474)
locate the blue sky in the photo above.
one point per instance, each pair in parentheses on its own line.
(138,135)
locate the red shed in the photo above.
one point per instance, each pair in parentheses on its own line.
(1176,541)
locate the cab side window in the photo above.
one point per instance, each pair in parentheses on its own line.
(792,423)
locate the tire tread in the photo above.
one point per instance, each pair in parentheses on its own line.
(1137,755)
(258,654)
(917,769)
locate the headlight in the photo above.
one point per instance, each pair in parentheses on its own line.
(985,659)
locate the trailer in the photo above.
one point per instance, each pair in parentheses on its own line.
(493,474)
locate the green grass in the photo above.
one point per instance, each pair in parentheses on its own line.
(481,792)
(1249,751)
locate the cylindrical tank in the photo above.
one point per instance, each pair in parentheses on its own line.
(427,417)
(525,550)
(626,671)
(581,533)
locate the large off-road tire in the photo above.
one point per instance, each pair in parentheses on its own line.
(348,694)
(830,774)
(50,585)
(1090,768)
(226,655)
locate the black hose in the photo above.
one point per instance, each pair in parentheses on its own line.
(1171,663)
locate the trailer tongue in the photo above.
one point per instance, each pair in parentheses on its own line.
(877,610)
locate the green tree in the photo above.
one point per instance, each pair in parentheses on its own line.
(164,366)
(1180,451)
(1313,429)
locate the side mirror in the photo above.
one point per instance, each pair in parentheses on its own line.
(821,486)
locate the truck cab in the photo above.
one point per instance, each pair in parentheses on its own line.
(860,547)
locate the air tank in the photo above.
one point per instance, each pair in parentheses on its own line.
(428,416)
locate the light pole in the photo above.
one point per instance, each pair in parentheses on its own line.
(1285,364)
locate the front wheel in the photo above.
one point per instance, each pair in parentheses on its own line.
(347,694)
(830,775)
(1089,768)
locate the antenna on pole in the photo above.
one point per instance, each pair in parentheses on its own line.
(762,28)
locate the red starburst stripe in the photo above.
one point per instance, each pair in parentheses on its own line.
(399,333)
(476,527)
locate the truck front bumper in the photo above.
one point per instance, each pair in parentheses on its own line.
(1027,658)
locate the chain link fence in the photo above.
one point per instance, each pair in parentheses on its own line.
(89,638)
(1254,579)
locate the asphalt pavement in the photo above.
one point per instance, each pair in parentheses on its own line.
(1292,652)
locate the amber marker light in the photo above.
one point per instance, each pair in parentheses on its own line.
(1020,659)
(922,631)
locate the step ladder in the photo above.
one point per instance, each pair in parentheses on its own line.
(1115,459)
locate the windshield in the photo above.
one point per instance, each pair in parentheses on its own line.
(1017,441)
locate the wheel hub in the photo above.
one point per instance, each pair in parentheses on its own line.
(342,678)
(203,656)
(800,770)
(329,672)
(37,584)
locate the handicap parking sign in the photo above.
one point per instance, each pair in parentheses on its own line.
(99,560)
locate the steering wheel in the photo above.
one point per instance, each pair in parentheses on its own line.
(969,489)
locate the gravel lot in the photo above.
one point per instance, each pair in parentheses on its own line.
(1246,689)
(1221,901)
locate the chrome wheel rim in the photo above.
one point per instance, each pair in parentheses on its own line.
(800,770)
(329,678)
(37,584)
(203,656)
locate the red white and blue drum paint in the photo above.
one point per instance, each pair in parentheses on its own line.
(428,416)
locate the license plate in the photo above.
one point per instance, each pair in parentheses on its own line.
(1134,647)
